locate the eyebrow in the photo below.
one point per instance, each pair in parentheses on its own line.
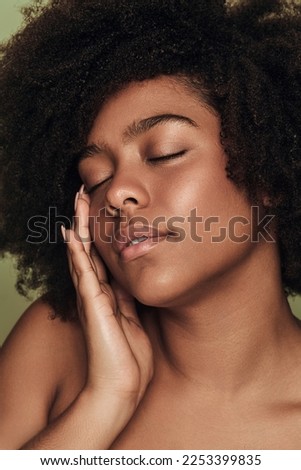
(137,128)
(134,130)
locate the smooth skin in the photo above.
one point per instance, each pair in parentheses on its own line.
(214,361)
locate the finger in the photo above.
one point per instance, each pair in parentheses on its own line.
(88,286)
(81,218)
(98,264)
(66,236)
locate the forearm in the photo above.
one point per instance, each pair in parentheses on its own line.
(89,423)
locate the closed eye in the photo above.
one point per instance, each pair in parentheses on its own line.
(97,185)
(153,160)
(163,158)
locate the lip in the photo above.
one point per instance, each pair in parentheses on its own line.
(124,237)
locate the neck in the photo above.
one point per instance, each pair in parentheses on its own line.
(230,335)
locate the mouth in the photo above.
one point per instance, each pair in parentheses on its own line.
(135,242)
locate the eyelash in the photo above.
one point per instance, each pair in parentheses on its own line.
(167,157)
(97,185)
(153,161)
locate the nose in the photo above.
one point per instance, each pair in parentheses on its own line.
(126,194)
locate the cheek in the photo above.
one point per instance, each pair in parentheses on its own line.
(210,203)
(202,180)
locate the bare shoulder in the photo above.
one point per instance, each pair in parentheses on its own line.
(39,334)
(42,369)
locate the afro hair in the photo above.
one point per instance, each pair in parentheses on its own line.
(71,55)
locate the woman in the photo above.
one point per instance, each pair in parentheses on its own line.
(180,124)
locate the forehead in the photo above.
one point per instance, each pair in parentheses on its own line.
(140,100)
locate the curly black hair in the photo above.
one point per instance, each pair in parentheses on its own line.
(71,55)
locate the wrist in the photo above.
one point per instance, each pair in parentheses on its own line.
(109,412)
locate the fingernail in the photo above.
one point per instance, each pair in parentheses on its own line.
(82,189)
(63,230)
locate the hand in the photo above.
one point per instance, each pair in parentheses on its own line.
(120,358)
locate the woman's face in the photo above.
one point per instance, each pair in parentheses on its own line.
(184,204)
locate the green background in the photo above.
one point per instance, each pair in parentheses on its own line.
(11,304)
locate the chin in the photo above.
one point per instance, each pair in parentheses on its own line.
(159,292)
